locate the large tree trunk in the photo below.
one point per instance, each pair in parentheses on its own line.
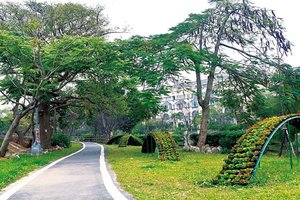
(204,103)
(21,134)
(8,135)
(204,126)
(45,126)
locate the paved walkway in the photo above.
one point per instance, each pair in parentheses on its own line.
(76,177)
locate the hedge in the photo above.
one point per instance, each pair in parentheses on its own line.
(225,139)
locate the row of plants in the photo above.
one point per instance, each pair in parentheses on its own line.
(239,166)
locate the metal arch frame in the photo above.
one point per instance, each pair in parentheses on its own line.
(263,149)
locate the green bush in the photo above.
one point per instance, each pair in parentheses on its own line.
(142,137)
(178,139)
(225,127)
(150,126)
(61,139)
(225,139)
(229,138)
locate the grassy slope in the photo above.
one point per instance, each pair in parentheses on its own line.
(145,177)
(13,169)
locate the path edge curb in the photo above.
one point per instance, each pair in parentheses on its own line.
(14,187)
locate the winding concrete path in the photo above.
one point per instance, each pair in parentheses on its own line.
(82,175)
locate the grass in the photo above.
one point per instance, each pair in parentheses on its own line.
(15,168)
(145,177)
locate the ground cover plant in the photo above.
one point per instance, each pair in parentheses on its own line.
(15,168)
(145,177)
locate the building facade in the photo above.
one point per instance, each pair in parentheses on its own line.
(181,104)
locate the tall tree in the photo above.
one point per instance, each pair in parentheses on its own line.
(287,87)
(16,57)
(44,22)
(235,37)
(54,20)
(38,72)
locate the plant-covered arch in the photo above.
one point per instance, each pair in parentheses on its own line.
(243,161)
(164,143)
(125,139)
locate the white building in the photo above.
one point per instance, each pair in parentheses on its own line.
(181,104)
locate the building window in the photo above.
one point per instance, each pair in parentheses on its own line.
(166,117)
(180,106)
(195,104)
(180,96)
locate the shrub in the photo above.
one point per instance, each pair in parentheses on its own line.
(225,139)
(229,138)
(150,126)
(178,139)
(225,127)
(61,139)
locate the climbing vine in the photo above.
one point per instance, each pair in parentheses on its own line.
(244,157)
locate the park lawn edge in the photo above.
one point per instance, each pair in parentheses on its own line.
(144,176)
(13,169)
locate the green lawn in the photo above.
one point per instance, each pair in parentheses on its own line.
(13,169)
(145,177)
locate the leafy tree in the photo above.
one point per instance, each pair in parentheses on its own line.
(5,120)
(37,72)
(116,102)
(16,55)
(282,97)
(287,87)
(234,37)
(45,22)
(53,20)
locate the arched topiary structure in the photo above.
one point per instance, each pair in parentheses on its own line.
(243,161)
(124,140)
(164,143)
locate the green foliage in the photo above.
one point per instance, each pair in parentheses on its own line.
(61,139)
(240,165)
(16,168)
(178,139)
(226,139)
(5,120)
(129,139)
(165,144)
(286,86)
(150,126)
(124,140)
(53,20)
(225,127)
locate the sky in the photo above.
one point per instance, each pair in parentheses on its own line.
(148,17)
